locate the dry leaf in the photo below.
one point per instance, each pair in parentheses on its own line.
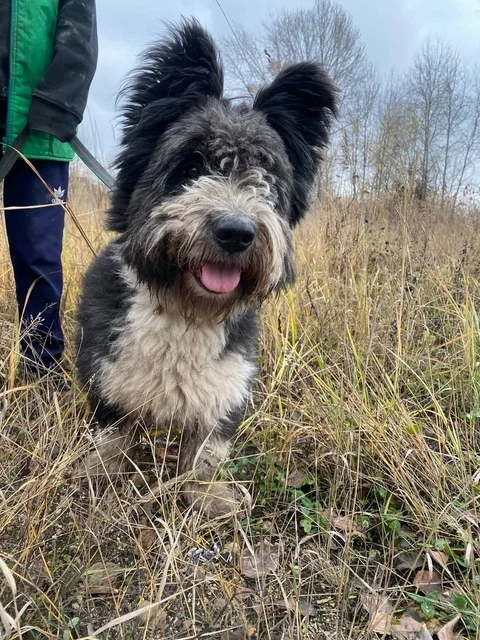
(446,632)
(343,523)
(297,479)
(410,629)
(407,628)
(439,557)
(381,622)
(380,611)
(152,619)
(103,578)
(38,572)
(243,593)
(424,634)
(408,560)
(428,582)
(147,539)
(240,634)
(306,609)
(263,562)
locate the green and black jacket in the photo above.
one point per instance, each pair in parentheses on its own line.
(48,57)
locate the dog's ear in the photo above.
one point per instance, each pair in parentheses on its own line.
(175,75)
(300,104)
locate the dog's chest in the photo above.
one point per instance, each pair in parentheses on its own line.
(173,370)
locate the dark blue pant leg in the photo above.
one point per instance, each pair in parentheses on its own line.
(35,238)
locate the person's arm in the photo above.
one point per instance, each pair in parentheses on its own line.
(59,100)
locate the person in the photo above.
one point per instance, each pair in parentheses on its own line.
(48,58)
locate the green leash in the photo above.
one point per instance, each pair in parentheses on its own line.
(92,163)
(12,154)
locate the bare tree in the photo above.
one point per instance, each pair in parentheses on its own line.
(454,83)
(470,143)
(247,65)
(359,132)
(425,82)
(393,149)
(417,132)
(324,32)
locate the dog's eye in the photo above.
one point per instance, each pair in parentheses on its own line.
(193,172)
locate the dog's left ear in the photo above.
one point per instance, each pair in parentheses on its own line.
(176,74)
(300,105)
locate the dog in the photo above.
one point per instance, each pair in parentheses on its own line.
(207,196)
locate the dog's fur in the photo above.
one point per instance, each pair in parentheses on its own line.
(154,341)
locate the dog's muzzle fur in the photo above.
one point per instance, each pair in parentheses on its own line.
(226,222)
(207,196)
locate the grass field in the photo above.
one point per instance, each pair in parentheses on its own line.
(361,452)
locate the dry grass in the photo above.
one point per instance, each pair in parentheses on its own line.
(361,453)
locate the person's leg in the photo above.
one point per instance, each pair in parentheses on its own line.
(35,238)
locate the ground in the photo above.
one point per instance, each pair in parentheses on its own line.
(360,451)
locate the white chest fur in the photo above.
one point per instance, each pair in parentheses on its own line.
(172,370)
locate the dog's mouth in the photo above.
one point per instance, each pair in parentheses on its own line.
(218,278)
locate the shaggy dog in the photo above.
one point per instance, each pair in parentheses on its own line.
(207,195)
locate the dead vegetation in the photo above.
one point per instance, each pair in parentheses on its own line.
(361,453)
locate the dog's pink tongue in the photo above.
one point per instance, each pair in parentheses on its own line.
(219,278)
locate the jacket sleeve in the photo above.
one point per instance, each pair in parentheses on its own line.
(59,100)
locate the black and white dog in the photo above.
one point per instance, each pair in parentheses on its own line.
(206,198)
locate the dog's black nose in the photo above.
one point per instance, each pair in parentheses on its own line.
(234,234)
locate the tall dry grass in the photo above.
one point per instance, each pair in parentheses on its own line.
(361,451)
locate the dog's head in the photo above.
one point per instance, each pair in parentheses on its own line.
(208,192)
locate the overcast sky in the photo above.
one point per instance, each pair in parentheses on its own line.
(392,31)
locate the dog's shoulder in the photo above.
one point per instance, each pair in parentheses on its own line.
(102,309)
(241,333)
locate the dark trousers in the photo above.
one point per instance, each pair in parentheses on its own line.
(35,238)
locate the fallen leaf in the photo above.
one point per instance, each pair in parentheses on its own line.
(263,561)
(439,557)
(446,632)
(408,560)
(347,524)
(427,582)
(343,523)
(243,593)
(240,634)
(103,578)
(152,619)
(381,622)
(231,549)
(38,572)
(306,609)
(380,611)
(424,634)
(407,628)
(297,479)
(471,516)
(147,539)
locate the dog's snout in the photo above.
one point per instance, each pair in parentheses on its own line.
(234,235)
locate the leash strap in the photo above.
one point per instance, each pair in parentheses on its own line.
(92,163)
(12,154)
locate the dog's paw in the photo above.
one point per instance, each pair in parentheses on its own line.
(217,499)
(110,458)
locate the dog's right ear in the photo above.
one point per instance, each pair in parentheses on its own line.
(300,104)
(175,75)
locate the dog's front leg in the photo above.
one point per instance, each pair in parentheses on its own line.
(202,451)
(115,439)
